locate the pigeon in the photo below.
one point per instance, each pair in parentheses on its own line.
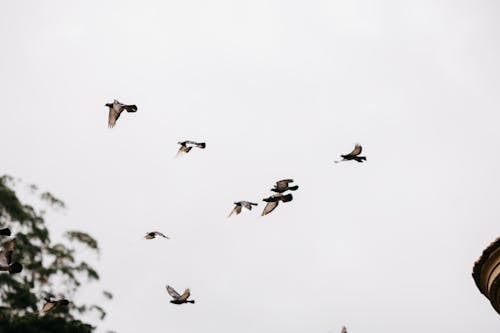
(5,232)
(50,304)
(237,209)
(353,155)
(153,234)
(179,299)
(344,330)
(282,186)
(186,146)
(6,263)
(272,202)
(115,109)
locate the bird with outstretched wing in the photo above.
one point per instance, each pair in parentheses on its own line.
(353,155)
(115,110)
(6,263)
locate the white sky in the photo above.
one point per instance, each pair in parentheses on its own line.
(277,89)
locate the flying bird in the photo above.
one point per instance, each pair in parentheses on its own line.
(238,206)
(273,200)
(282,186)
(353,155)
(115,110)
(5,232)
(179,299)
(153,234)
(51,305)
(6,263)
(186,146)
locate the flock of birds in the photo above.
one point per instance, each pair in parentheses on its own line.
(115,110)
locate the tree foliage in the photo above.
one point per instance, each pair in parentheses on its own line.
(50,269)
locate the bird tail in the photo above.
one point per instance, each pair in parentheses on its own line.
(287,197)
(294,188)
(360,159)
(192,301)
(253,204)
(201,145)
(5,232)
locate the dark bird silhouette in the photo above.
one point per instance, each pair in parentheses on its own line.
(115,110)
(51,305)
(5,232)
(353,155)
(238,206)
(179,299)
(186,146)
(282,186)
(153,234)
(273,200)
(6,263)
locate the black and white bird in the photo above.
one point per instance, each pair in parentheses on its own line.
(238,206)
(5,232)
(353,155)
(52,304)
(153,234)
(179,299)
(115,110)
(187,145)
(283,185)
(273,200)
(6,263)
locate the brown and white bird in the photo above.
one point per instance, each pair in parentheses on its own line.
(5,232)
(115,110)
(51,305)
(186,146)
(353,155)
(153,234)
(179,299)
(238,206)
(283,185)
(6,263)
(273,200)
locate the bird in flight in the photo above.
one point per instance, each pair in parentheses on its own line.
(5,232)
(153,234)
(273,200)
(282,186)
(51,305)
(6,263)
(179,299)
(115,110)
(238,206)
(353,155)
(187,145)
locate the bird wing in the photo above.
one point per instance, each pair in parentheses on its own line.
(6,252)
(236,210)
(171,291)
(113,116)
(160,234)
(48,306)
(185,295)
(356,151)
(269,207)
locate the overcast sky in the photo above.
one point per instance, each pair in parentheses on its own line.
(277,89)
